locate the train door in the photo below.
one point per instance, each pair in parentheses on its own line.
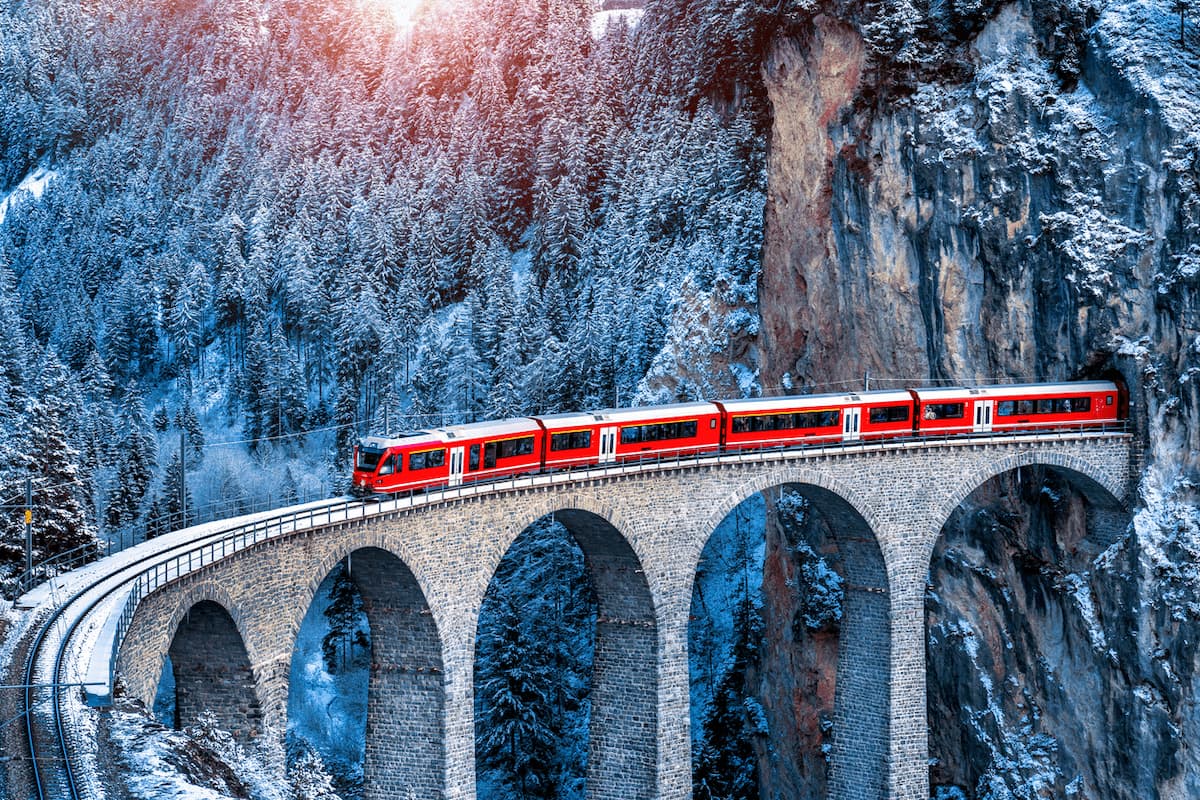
(983,416)
(851,419)
(456,466)
(608,445)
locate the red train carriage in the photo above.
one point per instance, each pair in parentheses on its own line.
(1017,407)
(448,456)
(571,440)
(627,434)
(812,419)
(379,462)
(481,451)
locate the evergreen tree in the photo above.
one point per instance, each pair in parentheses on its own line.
(137,454)
(514,733)
(174,507)
(347,636)
(187,421)
(727,766)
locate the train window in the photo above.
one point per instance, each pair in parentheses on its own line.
(368,458)
(889,414)
(817,419)
(426,459)
(510,448)
(389,466)
(1006,408)
(1045,406)
(1070,405)
(1108,400)
(575,440)
(944,410)
(635,434)
(712,423)
(474,457)
(1024,406)
(489,455)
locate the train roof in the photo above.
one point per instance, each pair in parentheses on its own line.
(752,404)
(569,419)
(408,437)
(479,430)
(653,412)
(1027,389)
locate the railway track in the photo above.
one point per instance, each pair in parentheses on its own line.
(50,757)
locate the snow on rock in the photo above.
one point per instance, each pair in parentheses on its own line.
(1142,39)
(31,186)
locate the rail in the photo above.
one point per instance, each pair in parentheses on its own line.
(128,536)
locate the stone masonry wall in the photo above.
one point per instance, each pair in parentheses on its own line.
(212,672)
(642,535)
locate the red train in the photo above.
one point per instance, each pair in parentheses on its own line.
(485,450)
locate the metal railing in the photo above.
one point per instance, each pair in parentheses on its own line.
(138,532)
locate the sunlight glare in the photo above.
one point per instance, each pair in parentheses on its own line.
(403,10)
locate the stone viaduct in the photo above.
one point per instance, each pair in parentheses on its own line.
(230,626)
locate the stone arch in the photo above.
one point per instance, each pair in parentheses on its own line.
(623,730)
(212,664)
(1105,494)
(405,749)
(1010,607)
(859,754)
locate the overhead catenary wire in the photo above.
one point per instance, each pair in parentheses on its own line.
(443,415)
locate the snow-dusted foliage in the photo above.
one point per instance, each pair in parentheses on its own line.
(291,224)
(533,669)
(327,703)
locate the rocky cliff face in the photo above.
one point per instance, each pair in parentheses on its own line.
(986,191)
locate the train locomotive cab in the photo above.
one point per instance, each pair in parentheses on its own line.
(630,434)
(380,462)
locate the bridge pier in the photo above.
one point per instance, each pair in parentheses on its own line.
(405,755)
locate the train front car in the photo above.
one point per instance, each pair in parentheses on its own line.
(630,434)
(379,462)
(481,451)
(1030,407)
(769,422)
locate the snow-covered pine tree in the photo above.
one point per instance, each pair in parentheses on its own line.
(137,456)
(187,421)
(173,501)
(348,636)
(61,521)
(514,734)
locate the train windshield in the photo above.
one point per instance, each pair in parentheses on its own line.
(368,459)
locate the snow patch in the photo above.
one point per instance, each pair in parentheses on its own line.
(31,186)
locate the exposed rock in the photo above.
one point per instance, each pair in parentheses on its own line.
(976,192)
